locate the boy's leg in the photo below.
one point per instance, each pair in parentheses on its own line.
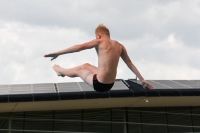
(85,72)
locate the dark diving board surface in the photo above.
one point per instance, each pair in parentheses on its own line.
(196,81)
(81,90)
(70,91)
(174,87)
(192,88)
(170,84)
(58,91)
(90,93)
(185,87)
(163,89)
(188,83)
(20,89)
(4,89)
(44,92)
(119,89)
(43,88)
(20,93)
(138,90)
(4,93)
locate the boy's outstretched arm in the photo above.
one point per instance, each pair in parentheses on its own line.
(75,48)
(127,60)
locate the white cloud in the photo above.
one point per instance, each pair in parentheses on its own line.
(162,59)
(161,37)
(23,47)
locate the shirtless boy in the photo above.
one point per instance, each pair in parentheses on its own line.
(109,51)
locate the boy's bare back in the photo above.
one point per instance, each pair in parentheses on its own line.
(109,52)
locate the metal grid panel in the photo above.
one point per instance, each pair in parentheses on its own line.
(20,89)
(68,87)
(171,84)
(196,81)
(4,89)
(68,120)
(196,118)
(149,115)
(85,87)
(179,116)
(43,88)
(188,83)
(134,115)
(158,120)
(118,115)
(119,85)
(39,121)
(157,85)
(96,115)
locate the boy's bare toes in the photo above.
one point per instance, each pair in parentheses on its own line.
(56,68)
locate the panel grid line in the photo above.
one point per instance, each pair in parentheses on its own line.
(80,86)
(32,88)
(81,89)
(180,83)
(162,84)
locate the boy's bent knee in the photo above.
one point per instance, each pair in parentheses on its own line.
(82,67)
(86,65)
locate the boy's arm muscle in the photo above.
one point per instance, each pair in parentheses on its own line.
(127,60)
(75,48)
(79,47)
(129,63)
(89,45)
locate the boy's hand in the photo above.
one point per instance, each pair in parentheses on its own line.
(145,84)
(53,55)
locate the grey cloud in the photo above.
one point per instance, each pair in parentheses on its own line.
(23,48)
(166,53)
(130,19)
(35,28)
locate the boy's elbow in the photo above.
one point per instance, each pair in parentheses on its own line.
(130,64)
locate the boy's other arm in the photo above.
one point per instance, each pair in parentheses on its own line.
(75,48)
(127,60)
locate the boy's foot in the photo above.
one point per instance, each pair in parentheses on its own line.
(56,68)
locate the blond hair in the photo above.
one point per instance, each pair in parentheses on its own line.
(102,29)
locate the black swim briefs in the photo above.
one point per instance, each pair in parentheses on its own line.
(100,87)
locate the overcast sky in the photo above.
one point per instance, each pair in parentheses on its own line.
(162,37)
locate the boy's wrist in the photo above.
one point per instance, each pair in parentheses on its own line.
(57,53)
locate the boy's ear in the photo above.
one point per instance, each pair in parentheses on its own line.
(99,37)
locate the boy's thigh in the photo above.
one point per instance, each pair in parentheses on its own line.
(90,67)
(86,76)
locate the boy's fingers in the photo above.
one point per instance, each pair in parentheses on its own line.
(145,85)
(47,55)
(150,86)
